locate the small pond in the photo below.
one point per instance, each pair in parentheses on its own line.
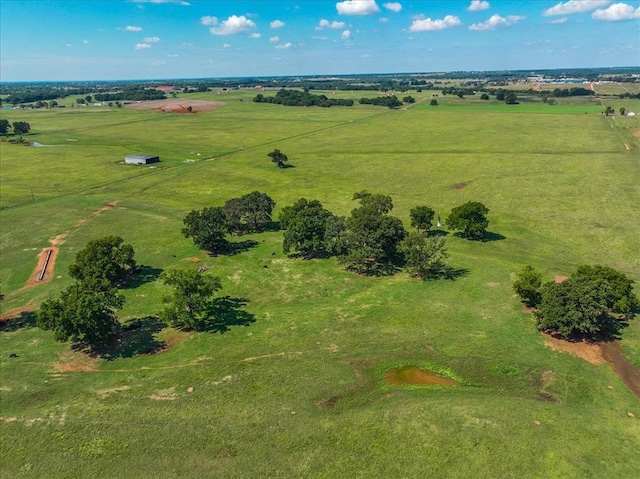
(415,376)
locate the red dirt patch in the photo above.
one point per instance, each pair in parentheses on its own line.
(193,259)
(34,279)
(560,279)
(598,353)
(459,186)
(13,313)
(177,105)
(588,351)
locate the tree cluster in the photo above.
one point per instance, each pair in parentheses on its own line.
(370,241)
(390,101)
(575,91)
(86,310)
(19,127)
(590,304)
(301,98)
(133,93)
(210,226)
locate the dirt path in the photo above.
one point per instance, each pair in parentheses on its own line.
(598,353)
(177,105)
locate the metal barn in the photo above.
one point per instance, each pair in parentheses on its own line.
(141,159)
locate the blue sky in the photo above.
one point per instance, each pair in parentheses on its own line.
(144,39)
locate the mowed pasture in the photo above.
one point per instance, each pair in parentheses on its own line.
(292,384)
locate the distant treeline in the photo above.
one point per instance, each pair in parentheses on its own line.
(576,91)
(301,98)
(138,93)
(35,94)
(390,101)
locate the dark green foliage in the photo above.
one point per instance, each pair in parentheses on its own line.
(484,96)
(390,101)
(422,217)
(334,235)
(424,256)
(382,204)
(85,311)
(615,286)
(208,228)
(576,91)
(409,99)
(433,102)
(470,219)
(574,308)
(527,286)
(251,212)
(192,301)
(278,158)
(107,259)
(21,127)
(306,225)
(510,98)
(582,306)
(371,237)
(4,126)
(501,95)
(301,98)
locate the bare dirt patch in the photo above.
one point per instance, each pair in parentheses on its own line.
(76,361)
(193,259)
(459,186)
(13,313)
(588,351)
(560,279)
(49,256)
(106,207)
(177,106)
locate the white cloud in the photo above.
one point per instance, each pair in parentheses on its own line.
(174,55)
(226,45)
(616,12)
(497,21)
(477,5)
(327,24)
(275,39)
(383,20)
(233,25)
(151,40)
(559,21)
(86,42)
(393,6)
(284,46)
(346,35)
(428,25)
(357,7)
(255,35)
(131,28)
(276,24)
(320,38)
(209,21)
(575,6)
(142,46)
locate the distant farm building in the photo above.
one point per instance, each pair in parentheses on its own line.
(141,159)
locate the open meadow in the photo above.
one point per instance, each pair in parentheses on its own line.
(292,382)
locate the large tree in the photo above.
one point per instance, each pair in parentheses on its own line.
(21,128)
(208,228)
(588,304)
(4,126)
(278,157)
(470,218)
(527,286)
(424,256)
(106,259)
(191,302)
(306,227)
(85,311)
(371,237)
(251,212)
(422,217)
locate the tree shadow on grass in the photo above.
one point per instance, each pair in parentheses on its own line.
(437,233)
(136,337)
(144,274)
(26,319)
(226,312)
(239,247)
(490,236)
(452,273)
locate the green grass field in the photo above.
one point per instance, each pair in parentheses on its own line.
(297,388)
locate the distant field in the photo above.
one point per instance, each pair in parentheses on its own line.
(299,389)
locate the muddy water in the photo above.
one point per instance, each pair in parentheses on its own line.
(628,372)
(415,375)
